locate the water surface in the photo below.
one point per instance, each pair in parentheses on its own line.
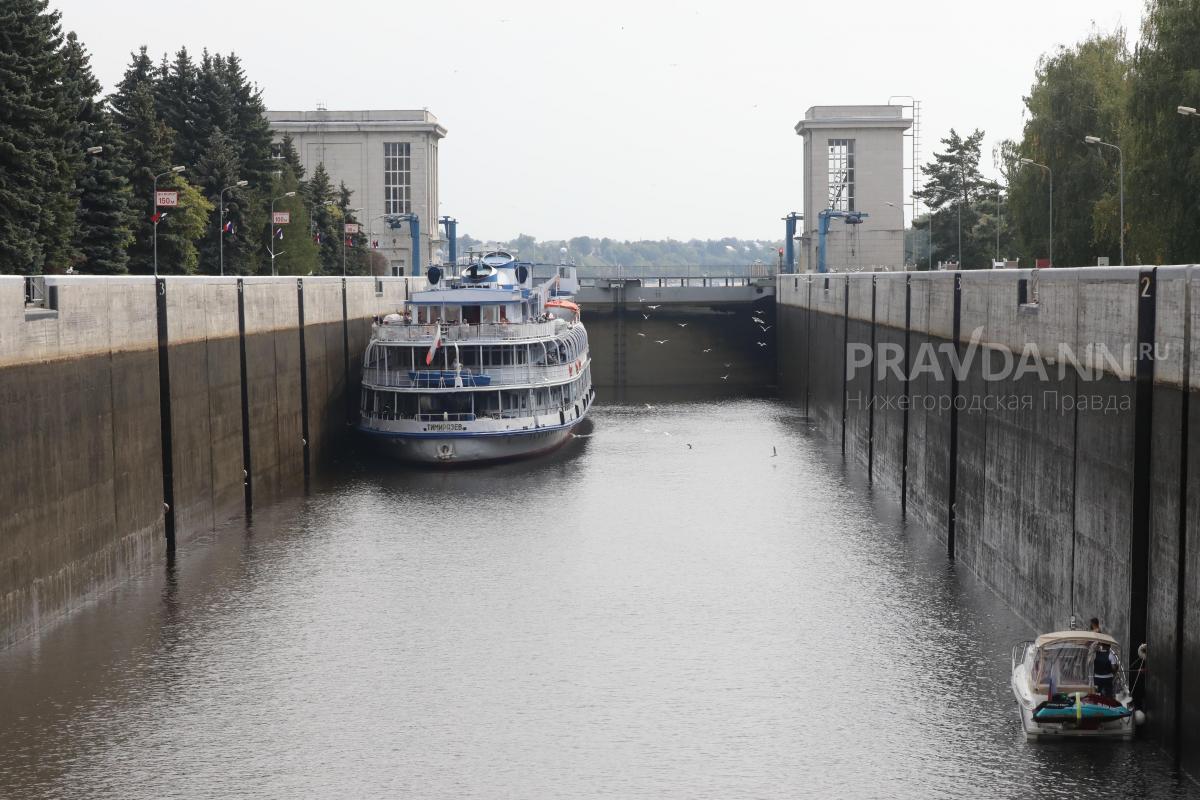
(663,609)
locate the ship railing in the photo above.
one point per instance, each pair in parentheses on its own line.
(500,376)
(399,332)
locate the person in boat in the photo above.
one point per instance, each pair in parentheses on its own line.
(1094,625)
(1103,669)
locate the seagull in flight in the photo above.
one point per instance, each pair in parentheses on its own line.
(654,308)
(689,444)
(641,334)
(706,350)
(662,341)
(730,364)
(648,406)
(756,319)
(762,344)
(724,377)
(682,324)
(645,316)
(766,328)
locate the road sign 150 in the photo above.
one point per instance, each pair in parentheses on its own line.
(166,198)
(282,218)
(351,227)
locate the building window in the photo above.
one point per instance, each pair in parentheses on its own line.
(397,178)
(841,174)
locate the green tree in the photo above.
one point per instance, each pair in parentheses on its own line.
(32,208)
(148,146)
(959,198)
(356,258)
(325,220)
(1162,148)
(217,169)
(296,252)
(101,230)
(177,101)
(1079,91)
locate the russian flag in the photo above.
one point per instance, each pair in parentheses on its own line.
(437,339)
(279,234)
(228,227)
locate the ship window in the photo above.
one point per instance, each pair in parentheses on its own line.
(490,314)
(471,315)
(452,314)
(397,178)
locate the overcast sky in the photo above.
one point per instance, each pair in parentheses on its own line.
(623,119)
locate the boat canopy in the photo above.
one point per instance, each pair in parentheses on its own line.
(1077,637)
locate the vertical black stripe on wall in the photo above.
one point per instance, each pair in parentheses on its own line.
(907,399)
(808,317)
(871,391)
(952,468)
(1143,417)
(346,357)
(845,348)
(247,474)
(164,415)
(303,377)
(1181,553)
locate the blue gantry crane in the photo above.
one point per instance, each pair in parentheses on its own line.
(789,241)
(850,218)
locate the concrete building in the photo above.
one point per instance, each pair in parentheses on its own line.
(854,161)
(390,161)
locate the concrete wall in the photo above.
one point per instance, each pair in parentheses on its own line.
(1066,490)
(121,416)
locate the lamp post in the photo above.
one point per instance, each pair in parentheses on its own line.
(1188,111)
(349,211)
(154,205)
(221,220)
(1049,172)
(1121,179)
(94,151)
(271,230)
(999,222)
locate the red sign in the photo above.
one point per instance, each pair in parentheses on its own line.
(281,218)
(167,197)
(352,227)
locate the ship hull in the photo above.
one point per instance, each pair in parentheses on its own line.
(467,448)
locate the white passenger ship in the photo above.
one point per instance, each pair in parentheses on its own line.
(481,366)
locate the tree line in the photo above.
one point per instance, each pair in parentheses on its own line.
(78,170)
(1099,87)
(595,251)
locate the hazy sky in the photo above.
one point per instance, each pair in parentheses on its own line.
(623,119)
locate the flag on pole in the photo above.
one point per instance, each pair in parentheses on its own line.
(229,226)
(317,237)
(437,339)
(279,234)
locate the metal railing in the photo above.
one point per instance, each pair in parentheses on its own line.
(502,331)
(500,376)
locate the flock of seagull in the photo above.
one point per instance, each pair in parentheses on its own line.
(757,320)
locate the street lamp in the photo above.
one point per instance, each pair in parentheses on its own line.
(1121,169)
(221,221)
(175,170)
(94,151)
(1188,111)
(271,230)
(999,222)
(1031,163)
(890,204)
(349,211)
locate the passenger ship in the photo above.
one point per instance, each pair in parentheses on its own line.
(481,366)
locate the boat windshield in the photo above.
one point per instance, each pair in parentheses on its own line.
(1067,664)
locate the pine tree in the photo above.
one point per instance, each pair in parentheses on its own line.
(176,98)
(30,71)
(101,230)
(216,170)
(324,221)
(290,156)
(148,146)
(958,195)
(356,243)
(249,130)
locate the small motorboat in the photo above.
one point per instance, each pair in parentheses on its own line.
(1053,680)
